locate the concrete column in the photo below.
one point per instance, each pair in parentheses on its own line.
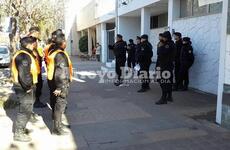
(104,45)
(173,12)
(145,21)
(98,33)
(90,46)
(223,44)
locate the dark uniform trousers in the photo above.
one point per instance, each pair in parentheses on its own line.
(39,86)
(58,103)
(177,73)
(26,101)
(120,63)
(144,70)
(166,84)
(131,62)
(184,75)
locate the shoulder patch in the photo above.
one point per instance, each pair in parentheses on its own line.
(190,51)
(167,46)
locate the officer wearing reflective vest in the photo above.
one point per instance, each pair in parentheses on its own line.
(25,69)
(59,74)
(51,43)
(35,32)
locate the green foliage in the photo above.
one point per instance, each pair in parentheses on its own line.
(83,44)
(46,14)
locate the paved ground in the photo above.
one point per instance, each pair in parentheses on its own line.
(104,117)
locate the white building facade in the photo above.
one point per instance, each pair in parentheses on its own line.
(202,22)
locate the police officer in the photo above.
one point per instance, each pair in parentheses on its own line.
(59,74)
(35,32)
(187,60)
(138,48)
(119,49)
(166,55)
(131,54)
(179,43)
(25,70)
(145,59)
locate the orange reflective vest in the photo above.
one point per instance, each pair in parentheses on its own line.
(51,64)
(46,52)
(34,67)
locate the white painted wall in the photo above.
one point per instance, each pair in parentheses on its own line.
(129,27)
(227,62)
(205,34)
(154,39)
(134,5)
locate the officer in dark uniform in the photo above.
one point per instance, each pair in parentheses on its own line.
(179,43)
(25,70)
(187,60)
(145,60)
(138,48)
(59,71)
(119,49)
(35,32)
(166,54)
(131,54)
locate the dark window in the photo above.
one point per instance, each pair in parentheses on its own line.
(191,8)
(216,8)
(154,22)
(159,21)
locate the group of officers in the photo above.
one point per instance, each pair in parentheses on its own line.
(176,58)
(27,76)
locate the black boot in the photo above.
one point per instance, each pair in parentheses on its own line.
(169,97)
(163,100)
(21,136)
(58,129)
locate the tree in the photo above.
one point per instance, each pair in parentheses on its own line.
(46,14)
(83,44)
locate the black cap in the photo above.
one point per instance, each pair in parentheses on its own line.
(119,36)
(145,36)
(187,39)
(167,35)
(178,34)
(131,40)
(27,40)
(161,34)
(138,38)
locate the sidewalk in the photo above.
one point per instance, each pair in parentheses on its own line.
(105,117)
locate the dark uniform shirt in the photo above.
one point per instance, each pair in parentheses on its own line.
(132,50)
(61,73)
(179,45)
(138,50)
(120,49)
(166,54)
(23,63)
(187,56)
(146,53)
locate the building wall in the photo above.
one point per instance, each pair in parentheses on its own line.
(86,17)
(204,32)
(129,27)
(153,38)
(134,5)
